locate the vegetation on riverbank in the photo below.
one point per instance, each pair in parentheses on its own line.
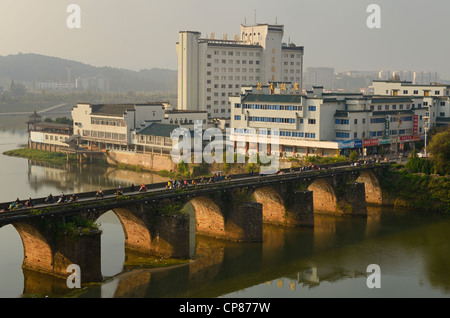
(416,190)
(41,155)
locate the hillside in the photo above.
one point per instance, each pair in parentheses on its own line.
(28,68)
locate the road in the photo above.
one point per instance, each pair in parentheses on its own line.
(39,112)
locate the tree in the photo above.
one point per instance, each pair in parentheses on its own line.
(17,89)
(439,149)
(354,155)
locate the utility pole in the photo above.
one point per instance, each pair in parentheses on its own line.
(425,127)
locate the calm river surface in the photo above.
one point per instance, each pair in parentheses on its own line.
(331,260)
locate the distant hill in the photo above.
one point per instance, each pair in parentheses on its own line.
(28,68)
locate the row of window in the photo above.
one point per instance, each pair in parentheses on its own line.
(341,121)
(394,107)
(107,121)
(298,134)
(342,134)
(231,70)
(270,119)
(416,92)
(281,133)
(269,107)
(243,62)
(103,135)
(231,53)
(243,78)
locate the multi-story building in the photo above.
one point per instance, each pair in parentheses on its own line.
(327,124)
(436,97)
(111,126)
(210,70)
(47,136)
(141,128)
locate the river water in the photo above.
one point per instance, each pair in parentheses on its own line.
(411,248)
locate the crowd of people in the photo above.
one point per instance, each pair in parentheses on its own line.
(18,204)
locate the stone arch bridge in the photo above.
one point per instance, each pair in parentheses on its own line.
(157,221)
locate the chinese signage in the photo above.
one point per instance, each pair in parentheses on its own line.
(350,144)
(370,142)
(416,125)
(409,138)
(386,126)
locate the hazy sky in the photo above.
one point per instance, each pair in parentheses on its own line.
(137,34)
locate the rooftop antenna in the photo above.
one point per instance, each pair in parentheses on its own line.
(276,20)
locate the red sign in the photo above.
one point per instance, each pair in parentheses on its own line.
(416,125)
(409,138)
(370,142)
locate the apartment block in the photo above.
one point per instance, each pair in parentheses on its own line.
(210,70)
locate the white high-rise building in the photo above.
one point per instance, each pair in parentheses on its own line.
(210,70)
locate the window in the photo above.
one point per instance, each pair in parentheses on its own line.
(416,92)
(405,91)
(441,114)
(341,121)
(311,121)
(342,135)
(312,108)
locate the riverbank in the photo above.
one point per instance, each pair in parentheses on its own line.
(415,190)
(41,155)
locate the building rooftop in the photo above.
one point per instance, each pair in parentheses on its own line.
(119,109)
(158,129)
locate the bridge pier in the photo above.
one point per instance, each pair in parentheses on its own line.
(244,223)
(353,201)
(45,254)
(300,209)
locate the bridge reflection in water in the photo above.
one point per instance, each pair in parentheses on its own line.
(290,258)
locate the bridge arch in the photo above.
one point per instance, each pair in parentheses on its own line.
(372,187)
(273,205)
(209,219)
(36,248)
(324,196)
(137,235)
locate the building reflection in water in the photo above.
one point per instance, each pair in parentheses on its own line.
(76,178)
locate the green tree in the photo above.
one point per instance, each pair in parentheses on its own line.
(354,155)
(439,149)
